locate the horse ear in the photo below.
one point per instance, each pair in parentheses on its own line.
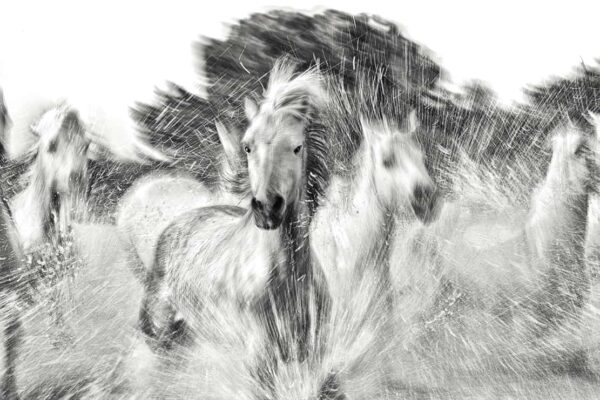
(229,142)
(96,152)
(97,149)
(369,131)
(250,108)
(592,117)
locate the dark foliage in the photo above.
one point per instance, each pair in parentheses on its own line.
(377,68)
(572,95)
(374,70)
(342,44)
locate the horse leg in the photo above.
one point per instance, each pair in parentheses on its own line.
(153,286)
(61,297)
(145,322)
(264,370)
(171,327)
(13,333)
(158,319)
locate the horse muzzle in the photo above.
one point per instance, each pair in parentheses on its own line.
(425,203)
(268,214)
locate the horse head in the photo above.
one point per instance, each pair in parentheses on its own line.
(283,153)
(62,149)
(399,171)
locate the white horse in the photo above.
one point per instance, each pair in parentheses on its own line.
(354,226)
(155,200)
(526,268)
(593,236)
(57,178)
(352,236)
(258,260)
(557,227)
(11,261)
(57,185)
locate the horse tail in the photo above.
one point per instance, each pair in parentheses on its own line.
(155,305)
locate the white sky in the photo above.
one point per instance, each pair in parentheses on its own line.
(107,54)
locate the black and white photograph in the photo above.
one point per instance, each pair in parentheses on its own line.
(299,200)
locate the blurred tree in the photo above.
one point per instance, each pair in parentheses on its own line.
(572,95)
(376,71)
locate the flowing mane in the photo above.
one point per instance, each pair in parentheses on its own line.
(302,96)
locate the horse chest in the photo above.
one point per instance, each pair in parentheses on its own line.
(236,273)
(29,227)
(246,279)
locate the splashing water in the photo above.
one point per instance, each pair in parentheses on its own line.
(463,324)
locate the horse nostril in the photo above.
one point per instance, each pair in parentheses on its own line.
(424,202)
(278,204)
(422,193)
(256,204)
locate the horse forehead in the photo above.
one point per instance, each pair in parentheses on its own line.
(400,145)
(49,122)
(271,129)
(568,141)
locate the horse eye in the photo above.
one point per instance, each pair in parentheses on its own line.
(390,161)
(52,146)
(297,149)
(247,149)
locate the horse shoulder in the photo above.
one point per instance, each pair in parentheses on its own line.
(27,220)
(195,235)
(212,252)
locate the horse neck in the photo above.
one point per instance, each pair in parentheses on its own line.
(44,205)
(369,210)
(558,213)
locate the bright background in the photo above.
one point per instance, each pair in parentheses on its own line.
(105,55)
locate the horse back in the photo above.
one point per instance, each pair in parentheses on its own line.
(150,205)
